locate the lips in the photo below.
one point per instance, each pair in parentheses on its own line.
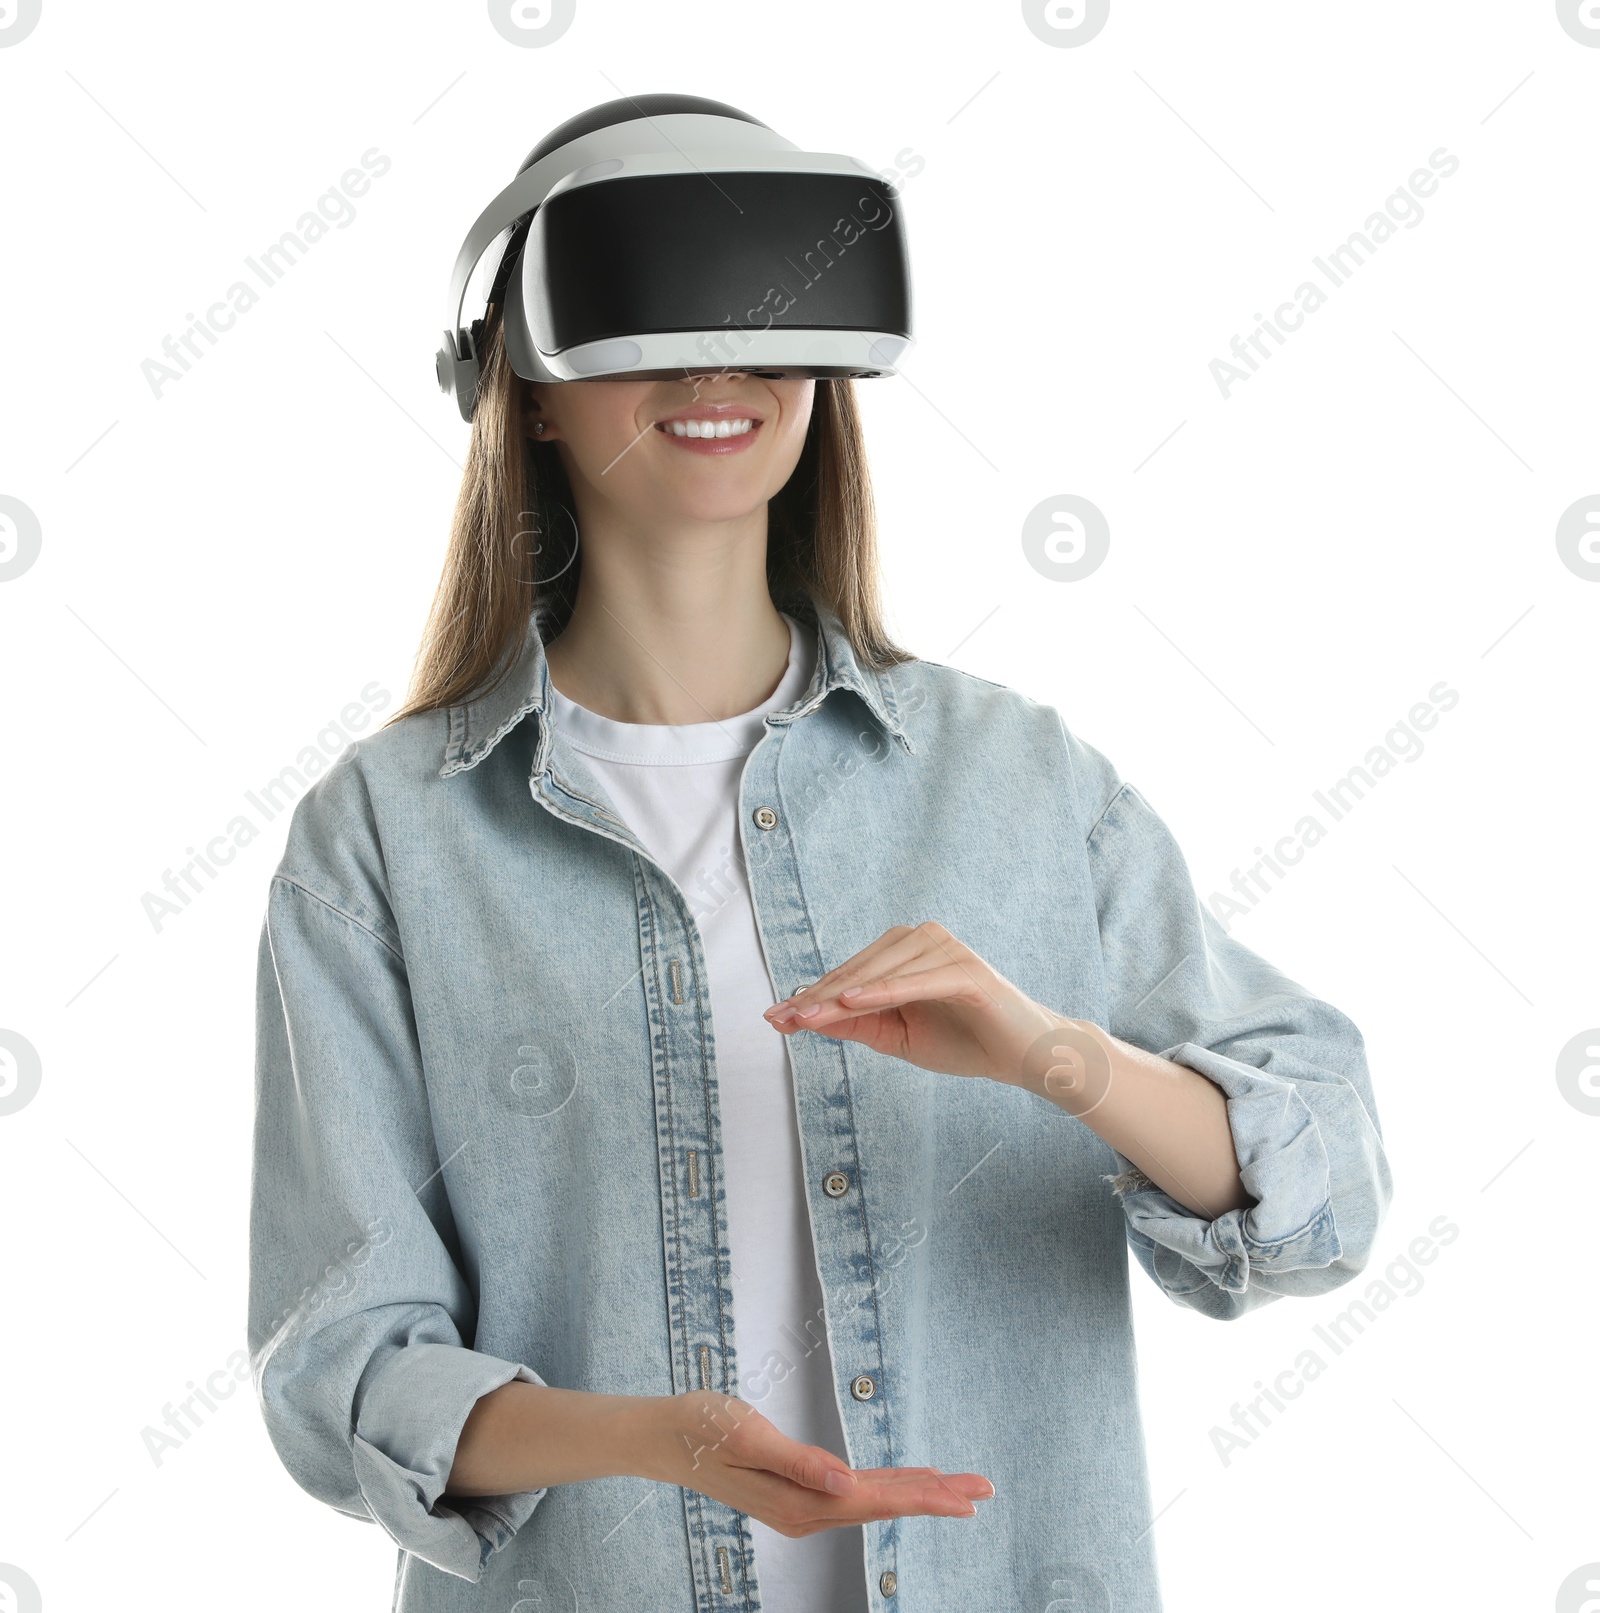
(714,411)
(707,430)
(717,433)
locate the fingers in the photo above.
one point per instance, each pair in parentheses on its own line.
(807,1465)
(767,1448)
(879,1494)
(943,983)
(889,954)
(815,1486)
(874,1492)
(908,1492)
(967,1486)
(755,1467)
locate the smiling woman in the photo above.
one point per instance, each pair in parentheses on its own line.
(514,544)
(741,1246)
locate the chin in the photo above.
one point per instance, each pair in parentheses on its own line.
(715,504)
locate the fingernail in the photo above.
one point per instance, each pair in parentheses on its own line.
(806,1013)
(837,1483)
(852,991)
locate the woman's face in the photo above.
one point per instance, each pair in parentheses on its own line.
(619,451)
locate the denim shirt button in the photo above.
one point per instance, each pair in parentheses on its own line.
(862,1387)
(835,1184)
(765,818)
(887,1582)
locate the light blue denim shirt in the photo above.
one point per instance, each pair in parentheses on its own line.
(488,1147)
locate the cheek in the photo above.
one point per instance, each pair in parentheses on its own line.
(615,423)
(599,434)
(792,437)
(601,417)
(800,406)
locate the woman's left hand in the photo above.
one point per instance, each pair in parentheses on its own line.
(919,994)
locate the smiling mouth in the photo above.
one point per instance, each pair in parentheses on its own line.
(737,427)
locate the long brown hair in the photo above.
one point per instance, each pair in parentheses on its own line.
(512,543)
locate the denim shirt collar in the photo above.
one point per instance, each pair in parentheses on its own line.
(479,725)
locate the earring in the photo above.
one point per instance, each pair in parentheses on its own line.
(538,427)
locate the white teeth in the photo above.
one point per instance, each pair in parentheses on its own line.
(708,428)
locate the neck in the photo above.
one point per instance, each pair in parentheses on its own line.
(672,626)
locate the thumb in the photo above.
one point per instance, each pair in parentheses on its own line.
(811,1466)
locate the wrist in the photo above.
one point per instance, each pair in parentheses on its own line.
(648,1434)
(1072,1065)
(633,1434)
(671,1438)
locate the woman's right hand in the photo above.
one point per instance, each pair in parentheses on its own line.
(725,1448)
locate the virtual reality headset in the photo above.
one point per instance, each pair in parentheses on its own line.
(659,237)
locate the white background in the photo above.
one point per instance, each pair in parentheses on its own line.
(225,567)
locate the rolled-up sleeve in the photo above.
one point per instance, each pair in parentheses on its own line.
(358,1315)
(1293,1068)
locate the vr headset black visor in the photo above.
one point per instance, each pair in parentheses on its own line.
(685,242)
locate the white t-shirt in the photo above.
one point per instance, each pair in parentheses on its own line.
(677,787)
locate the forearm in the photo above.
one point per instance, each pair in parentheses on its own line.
(523,1436)
(1168,1119)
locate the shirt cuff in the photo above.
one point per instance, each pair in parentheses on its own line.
(404,1445)
(1284,1167)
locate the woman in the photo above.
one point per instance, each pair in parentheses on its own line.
(707,1082)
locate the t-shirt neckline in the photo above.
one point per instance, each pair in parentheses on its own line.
(608,740)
